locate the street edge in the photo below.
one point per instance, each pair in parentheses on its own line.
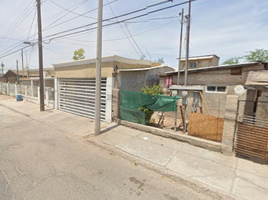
(201,187)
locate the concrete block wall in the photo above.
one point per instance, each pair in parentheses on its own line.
(115,105)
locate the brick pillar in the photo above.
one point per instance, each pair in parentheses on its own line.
(229,125)
(115,105)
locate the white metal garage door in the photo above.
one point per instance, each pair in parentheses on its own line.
(77,96)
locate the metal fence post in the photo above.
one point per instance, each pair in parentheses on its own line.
(176,116)
(47,98)
(1,88)
(8,88)
(26,92)
(38,94)
(16,90)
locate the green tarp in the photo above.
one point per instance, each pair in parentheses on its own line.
(132,101)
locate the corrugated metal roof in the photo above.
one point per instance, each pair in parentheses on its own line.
(201,57)
(211,68)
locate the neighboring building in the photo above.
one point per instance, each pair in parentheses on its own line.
(257,82)
(135,79)
(33,77)
(10,76)
(215,82)
(201,61)
(75,83)
(2,78)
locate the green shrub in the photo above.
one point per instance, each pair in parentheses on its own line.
(154,90)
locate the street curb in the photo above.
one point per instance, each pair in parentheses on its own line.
(199,186)
(206,144)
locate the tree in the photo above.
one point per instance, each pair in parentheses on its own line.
(160,60)
(142,57)
(79,54)
(257,55)
(231,61)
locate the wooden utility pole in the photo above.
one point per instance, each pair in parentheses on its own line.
(40,50)
(98,71)
(179,66)
(22,63)
(188,17)
(18,75)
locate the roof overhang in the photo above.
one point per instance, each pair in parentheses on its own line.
(146,69)
(257,79)
(187,88)
(114,58)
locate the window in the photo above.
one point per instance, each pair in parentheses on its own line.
(220,89)
(193,64)
(237,71)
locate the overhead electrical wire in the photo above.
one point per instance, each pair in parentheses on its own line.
(122,15)
(60,34)
(26,12)
(105,25)
(125,32)
(81,15)
(69,11)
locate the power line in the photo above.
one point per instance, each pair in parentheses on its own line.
(123,30)
(106,25)
(83,14)
(69,11)
(31,26)
(20,18)
(123,15)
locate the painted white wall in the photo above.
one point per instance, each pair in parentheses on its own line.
(109,92)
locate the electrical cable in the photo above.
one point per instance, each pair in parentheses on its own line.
(123,30)
(69,11)
(79,16)
(26,12)
(122,15)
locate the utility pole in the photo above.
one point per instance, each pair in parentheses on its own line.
(22,63)
(188,17)
(179,66)
(98,70)
(40,50)
(18,75)
(2,65)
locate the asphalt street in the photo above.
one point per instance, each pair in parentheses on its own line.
(38,161)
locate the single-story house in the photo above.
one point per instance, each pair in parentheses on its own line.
(215,83)
(75,82)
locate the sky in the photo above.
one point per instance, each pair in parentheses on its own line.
(226,28)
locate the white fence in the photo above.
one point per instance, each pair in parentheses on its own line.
(29,93)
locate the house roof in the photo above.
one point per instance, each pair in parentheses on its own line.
(146,69)
(104,59)
(204,57)
(212,68)
(257,78)
(31,70)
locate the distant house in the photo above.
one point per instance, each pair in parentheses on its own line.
(10,76)
(201,61)
(32,77)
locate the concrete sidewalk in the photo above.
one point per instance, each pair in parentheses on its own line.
(195,166)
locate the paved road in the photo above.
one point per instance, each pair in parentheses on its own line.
(38,161)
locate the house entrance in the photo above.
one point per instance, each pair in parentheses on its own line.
(77,96)
(251,138)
